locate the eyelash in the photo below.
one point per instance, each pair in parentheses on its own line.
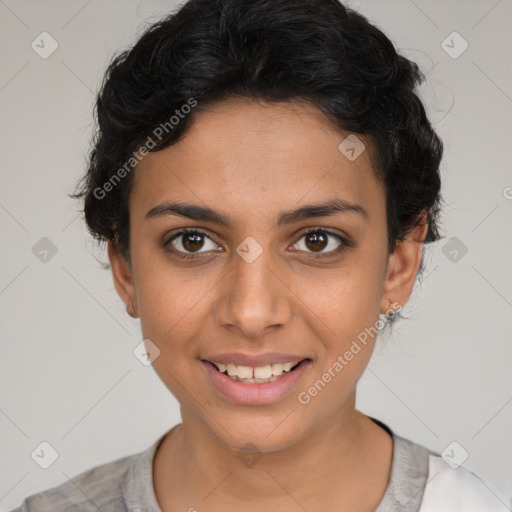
(344,243)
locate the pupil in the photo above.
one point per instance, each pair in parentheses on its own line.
(196,243)
(316,241)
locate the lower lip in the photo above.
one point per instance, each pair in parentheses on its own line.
(256,393)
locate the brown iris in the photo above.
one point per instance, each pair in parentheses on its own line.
(316,241)
(192,241)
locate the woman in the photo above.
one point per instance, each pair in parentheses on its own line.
(266,179)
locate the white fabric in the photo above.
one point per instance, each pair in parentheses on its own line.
(420,481)
(459,490)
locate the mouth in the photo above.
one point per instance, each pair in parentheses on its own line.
(256,385)
(256,374)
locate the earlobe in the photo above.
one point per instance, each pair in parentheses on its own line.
(402,268)
(123,279)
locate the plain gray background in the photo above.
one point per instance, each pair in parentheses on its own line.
(68,373)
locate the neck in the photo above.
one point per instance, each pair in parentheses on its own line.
(345,453)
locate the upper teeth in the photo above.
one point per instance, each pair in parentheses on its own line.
(256,372)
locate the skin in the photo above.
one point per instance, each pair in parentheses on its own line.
(252,160)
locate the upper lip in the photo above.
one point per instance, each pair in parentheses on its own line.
(254,360)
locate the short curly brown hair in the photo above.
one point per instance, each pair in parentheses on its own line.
(275,50)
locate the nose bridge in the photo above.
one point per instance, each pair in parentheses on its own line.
(253,298)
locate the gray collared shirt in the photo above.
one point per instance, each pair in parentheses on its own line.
(126,484)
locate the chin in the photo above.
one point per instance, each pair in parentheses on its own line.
(256,432)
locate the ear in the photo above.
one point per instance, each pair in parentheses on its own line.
(123,279)
(402,269)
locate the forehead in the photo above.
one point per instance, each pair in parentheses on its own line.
(250,156)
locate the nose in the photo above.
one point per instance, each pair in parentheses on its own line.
(254,297)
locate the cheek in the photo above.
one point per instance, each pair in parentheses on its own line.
(348,331)
(344,314)
(344,310)
(169,298)
(344,299)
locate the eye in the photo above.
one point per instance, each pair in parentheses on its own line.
(322,241)
(187,242)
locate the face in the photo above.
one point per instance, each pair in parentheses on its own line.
(261,280)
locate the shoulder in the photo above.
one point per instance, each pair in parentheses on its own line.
(423,481)
(99,488)
(451,490)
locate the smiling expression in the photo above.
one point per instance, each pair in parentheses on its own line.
(287,254)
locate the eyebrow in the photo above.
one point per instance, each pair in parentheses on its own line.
(206,214)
